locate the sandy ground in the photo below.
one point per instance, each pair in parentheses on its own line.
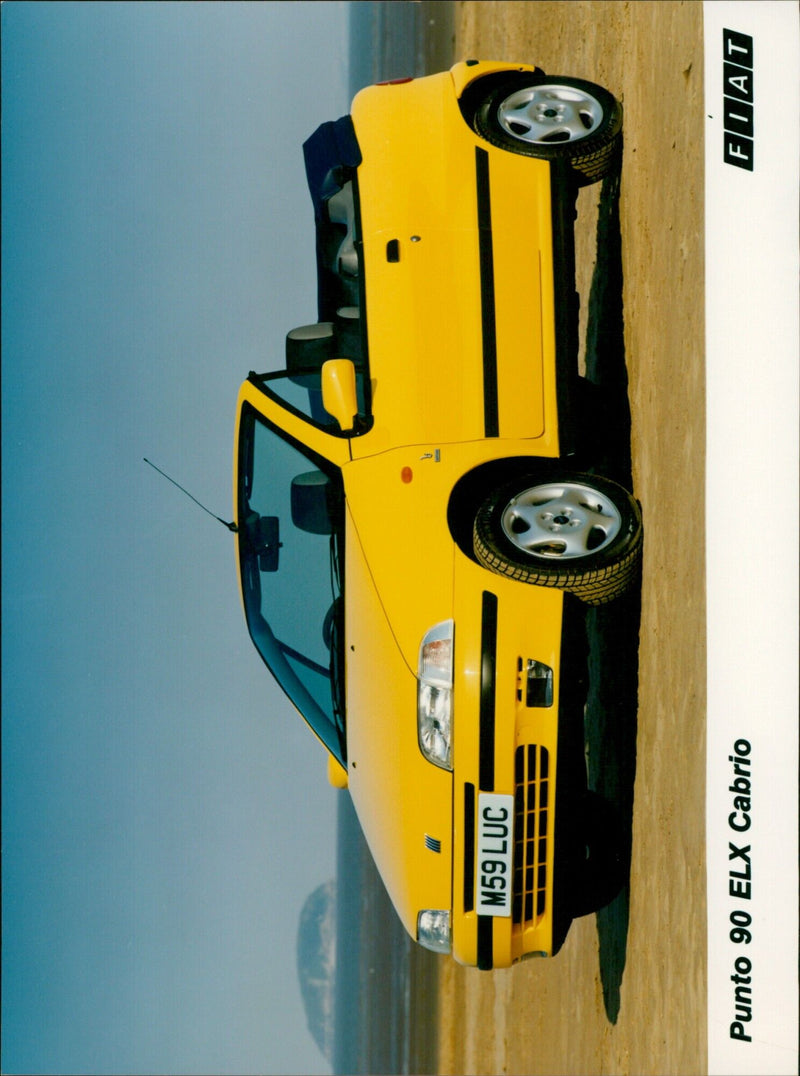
(552,1017)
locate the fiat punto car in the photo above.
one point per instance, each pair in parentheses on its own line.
(418,535)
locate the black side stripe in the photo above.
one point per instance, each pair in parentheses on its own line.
(491,420)
(485,942)
(563,196)
(486,747)
(469,847)
(487,704)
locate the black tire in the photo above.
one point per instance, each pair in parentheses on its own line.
(591,144)
(590,545)
(601,869)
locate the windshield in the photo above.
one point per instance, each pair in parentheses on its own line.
(291,520)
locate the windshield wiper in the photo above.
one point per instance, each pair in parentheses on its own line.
(337,675)
(337,642)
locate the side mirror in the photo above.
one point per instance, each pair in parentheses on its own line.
(337,774)
(339,392)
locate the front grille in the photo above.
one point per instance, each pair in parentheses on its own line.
(532,830)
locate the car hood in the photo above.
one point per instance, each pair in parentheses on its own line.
(404,802)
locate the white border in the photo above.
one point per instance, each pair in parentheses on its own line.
(752,507)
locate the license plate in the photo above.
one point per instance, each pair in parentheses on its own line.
(494,854)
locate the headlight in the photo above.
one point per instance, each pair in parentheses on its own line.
(435,694)
(433,930)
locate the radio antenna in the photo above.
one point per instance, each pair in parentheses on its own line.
(230,526)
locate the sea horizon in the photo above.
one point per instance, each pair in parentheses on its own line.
(385,985)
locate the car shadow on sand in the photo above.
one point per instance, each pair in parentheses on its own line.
(613,629)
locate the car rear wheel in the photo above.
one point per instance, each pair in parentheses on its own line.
(559,119)
(577,532)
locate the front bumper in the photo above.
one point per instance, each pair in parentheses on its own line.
(532,753)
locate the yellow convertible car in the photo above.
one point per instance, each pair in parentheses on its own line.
(417,534)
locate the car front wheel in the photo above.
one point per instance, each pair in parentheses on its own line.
(578,532)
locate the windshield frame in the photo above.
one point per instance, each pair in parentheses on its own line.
(330,728)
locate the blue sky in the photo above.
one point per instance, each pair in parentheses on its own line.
(165,813)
